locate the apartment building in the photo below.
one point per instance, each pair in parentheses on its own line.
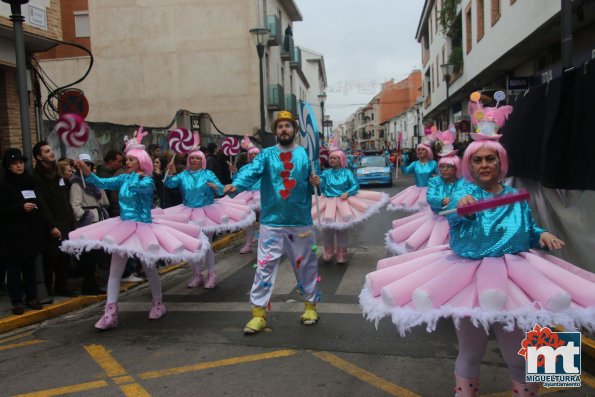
(492,45)
(42,31)
(153,62)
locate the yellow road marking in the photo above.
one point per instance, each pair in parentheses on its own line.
(21,344)
(67,389)
(364,375)
(114,370)
(215,364)
(105,360)
(19,336)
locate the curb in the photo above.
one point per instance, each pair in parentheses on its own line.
(13,322)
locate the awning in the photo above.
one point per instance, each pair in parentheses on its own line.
(33,43)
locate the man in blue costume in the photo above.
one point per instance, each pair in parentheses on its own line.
(286,222)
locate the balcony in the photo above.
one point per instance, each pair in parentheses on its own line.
(287,54)
(291,104)
(275,98)
(296,61)
(276,37)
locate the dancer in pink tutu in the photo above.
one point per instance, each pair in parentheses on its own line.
(413,198)
(251,197)
(137,232)
(492,278)
(426,228)
(199,186)
(342,205)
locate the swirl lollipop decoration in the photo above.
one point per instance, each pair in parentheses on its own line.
(230,146)
(180,140)
(72,130)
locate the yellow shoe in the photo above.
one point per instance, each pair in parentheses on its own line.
(310,316)
(258,322)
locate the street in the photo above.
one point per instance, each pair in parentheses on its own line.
(198,348)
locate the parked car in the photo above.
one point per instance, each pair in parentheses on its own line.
(374,170)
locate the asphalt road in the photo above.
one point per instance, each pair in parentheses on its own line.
(198,348)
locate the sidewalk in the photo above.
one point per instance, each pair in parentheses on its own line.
(62,305)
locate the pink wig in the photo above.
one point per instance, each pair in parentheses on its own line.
(144,160)
(490,145)
(200,154)
(454,161)
(428,149)
(341,155)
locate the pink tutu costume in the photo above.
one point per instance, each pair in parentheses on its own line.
(343,214)
(413,198)
(490,276)
(251,198)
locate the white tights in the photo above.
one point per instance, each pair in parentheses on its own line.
(115,278)
(329,238)
(209,257)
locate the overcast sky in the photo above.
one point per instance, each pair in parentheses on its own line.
(364,42)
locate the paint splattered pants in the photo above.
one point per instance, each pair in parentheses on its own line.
(294,242)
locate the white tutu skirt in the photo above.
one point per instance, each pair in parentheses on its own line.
(411,199)
(223,215)
(168,238)
(342,214)
(420,230)
(520,290)
(251,198)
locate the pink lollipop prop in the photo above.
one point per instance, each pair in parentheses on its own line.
(72,130)
(230,146)
(483,205)
(180,140)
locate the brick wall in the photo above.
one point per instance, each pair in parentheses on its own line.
(10,116)
(68,28)
(54,20)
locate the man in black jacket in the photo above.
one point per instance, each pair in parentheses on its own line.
(57,215)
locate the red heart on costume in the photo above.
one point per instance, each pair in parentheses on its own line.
(284,194)
(289,183)
(285,174)
(285,156)
(288,166)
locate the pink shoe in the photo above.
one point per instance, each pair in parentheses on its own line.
(466,387)
(328,253)
(212,281)
(109,318)
(525,390)
(196,281)
(342,255)
(157,311)
(246,249)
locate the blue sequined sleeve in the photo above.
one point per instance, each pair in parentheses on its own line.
(213,179)
(142,184)
(251,173)
(354,188)
(534,230)
(112,183)
(409,168)
(434,194)
(173,181)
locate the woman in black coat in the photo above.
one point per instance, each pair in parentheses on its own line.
(21,230)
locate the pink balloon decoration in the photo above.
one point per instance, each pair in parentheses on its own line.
(72,130)
(180,140)
(230,146)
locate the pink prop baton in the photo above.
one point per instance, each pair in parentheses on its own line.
(483,205)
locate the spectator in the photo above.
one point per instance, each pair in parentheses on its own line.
(212,162)
(154,151)
(21,232)
(113,165)
(158,174)
(66,169)
(53,196)
(89,205)
(224,163)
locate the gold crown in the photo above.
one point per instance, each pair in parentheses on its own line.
(285,115)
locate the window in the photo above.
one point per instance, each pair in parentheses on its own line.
(468,29)
(81,24)
(495,9)
(480,19)
(432,78)
(430,28)
(437,72)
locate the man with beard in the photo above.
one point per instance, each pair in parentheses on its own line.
(57,215)
(286,222)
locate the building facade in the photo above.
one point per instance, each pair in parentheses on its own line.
(152,60)
(42,31)
(493,45)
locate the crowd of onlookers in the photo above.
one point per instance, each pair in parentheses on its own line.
(38,211)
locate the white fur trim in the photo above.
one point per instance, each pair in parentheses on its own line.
(231,226)
(394,248)
(524,318)
(77,247)
(374,209)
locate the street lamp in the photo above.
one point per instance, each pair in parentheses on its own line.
(261,37)
(19,44)
(447,70)
(321,99)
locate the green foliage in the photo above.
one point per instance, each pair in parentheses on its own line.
(448,17)
(456,59)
